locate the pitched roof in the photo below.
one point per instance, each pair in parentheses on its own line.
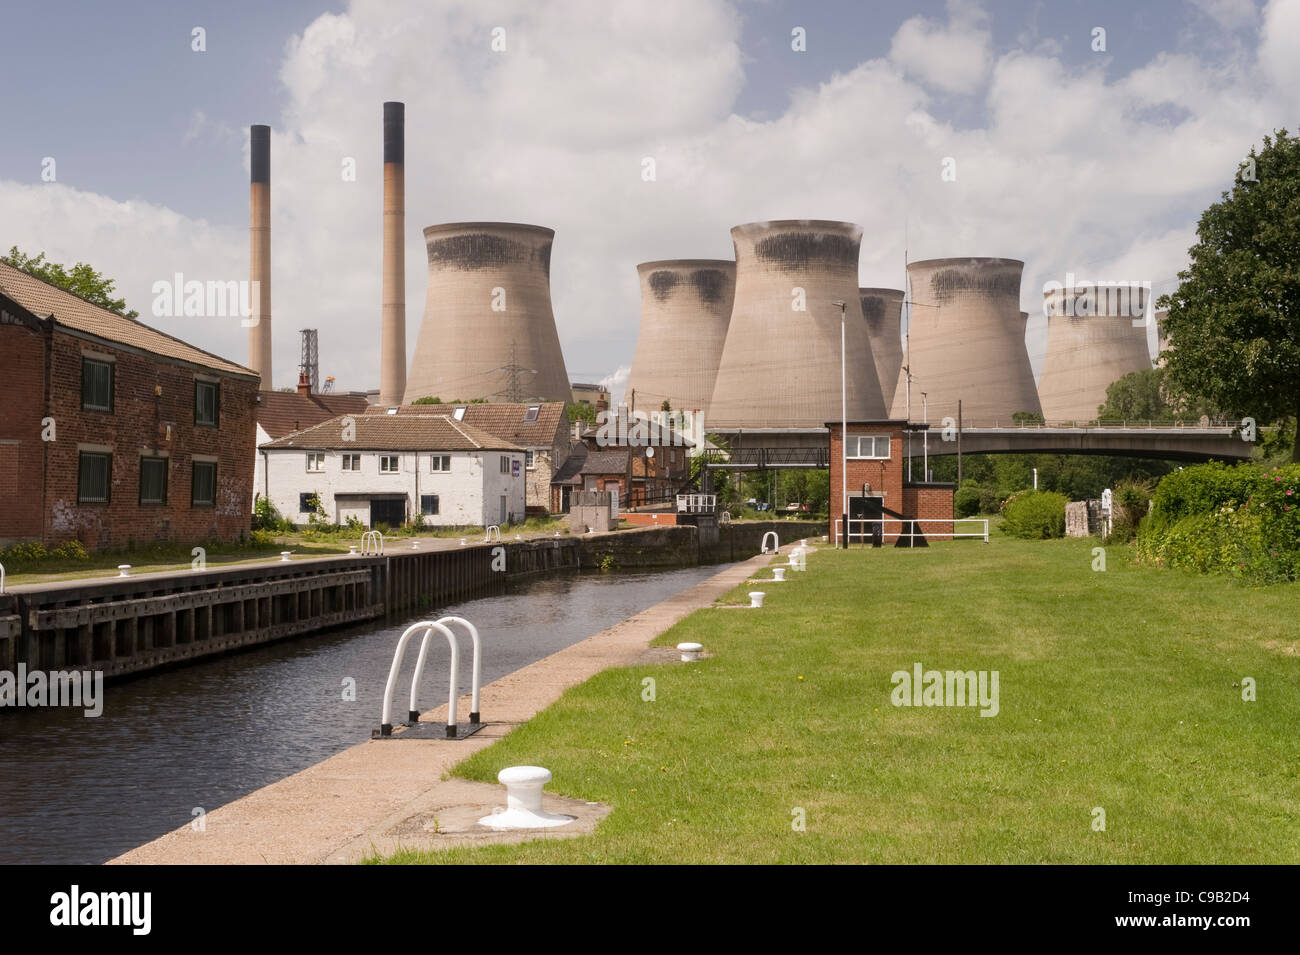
(70,311)
(505,419)
(570,471)
(281,412)
(381,432)
(605,462)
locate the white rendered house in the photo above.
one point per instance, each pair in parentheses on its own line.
(384,469)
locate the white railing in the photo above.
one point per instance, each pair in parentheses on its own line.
(372,542)
(2,578)
(696,503)
(864,533)
(453,690)
(724,518)
(489,532)
(776,541)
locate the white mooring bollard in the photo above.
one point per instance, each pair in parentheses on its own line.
(284,554)
(463,541)
(352,549)
(756,598)
(778,573)
(124,570)
(691,651)
(524,801)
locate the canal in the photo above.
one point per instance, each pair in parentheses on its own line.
(83,790)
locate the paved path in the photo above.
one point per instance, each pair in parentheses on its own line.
(336,810)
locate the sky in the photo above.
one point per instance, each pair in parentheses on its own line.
(1074,159)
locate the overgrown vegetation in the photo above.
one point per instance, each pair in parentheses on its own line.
(1243,521)
(1034,515)
(81,280)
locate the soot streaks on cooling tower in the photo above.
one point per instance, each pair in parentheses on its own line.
(788,251)
(481,250)
(710,284)
(662,282)
(945,283)
(873,309)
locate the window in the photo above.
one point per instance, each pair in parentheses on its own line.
(532,412)
(96,385)
(203,489)
(315,461)
(206,402)
(428,503)
(308,501)
(153,480)
(93,478)
(440,462)
(868,446)
(459,414)
(351,462)
(530,460)
(505,464)
(388,464)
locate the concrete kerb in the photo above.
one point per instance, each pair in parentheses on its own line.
(370,796)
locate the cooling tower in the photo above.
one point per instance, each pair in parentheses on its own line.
(883,309)
(685,308)
(966,341)
(780,366)
(259,242)
(1163,344)
(1091,342)
(392,335)
(488,329)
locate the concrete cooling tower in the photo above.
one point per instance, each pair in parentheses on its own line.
(781,363)
(685,308)
(883,310)
(1091,342)
(488,329)
(966,342)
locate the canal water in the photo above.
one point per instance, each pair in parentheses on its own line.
(83,790)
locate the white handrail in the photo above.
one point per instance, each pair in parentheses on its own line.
(487,534)
(918,520)
(372,539)
(413,709)
(776,541)
(386,720)
(477,667)
(2,578)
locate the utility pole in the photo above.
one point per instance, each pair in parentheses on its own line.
(959,442)
(925,439)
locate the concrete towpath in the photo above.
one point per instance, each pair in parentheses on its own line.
(338,809)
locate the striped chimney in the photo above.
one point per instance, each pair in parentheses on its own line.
(392,345)
(259,236)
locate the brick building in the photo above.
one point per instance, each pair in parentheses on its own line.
(877,484)
(113,432)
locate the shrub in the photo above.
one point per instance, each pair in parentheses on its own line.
(265,516)
(966,501)
(1035,514)
(1129,503)
(990,503)
(70,550)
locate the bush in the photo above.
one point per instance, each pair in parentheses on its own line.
(990,503)
(1034,514)
(966,501)
(24,554)
(1128,504)
(265,516)
(70,550)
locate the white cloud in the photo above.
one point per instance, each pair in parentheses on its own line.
(953,58)
(1229,14)
(1075,169)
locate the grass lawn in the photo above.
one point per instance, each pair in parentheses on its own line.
(1117,690)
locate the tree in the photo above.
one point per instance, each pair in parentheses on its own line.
(81,280)
(1234,321)
(582,412)
(1138,396)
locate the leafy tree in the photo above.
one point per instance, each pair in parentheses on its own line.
(81,280)
(582,412)
(1138,396)
(1234,321)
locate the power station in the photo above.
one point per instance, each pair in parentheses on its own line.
(1092,341)
(882,308)
(685,309)
(966,342)
(488,329)
(780,366)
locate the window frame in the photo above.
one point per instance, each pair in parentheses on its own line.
(397,464)
(194,473)
(303,497)
(319,457)
(353,459)
(153,459)
(429,497)
(855,448)
(505,464)
(112,381)
(530,460)
(444,463)
(108,477)
(199,385)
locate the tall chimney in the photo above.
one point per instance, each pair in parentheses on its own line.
(392,342)
(259,234)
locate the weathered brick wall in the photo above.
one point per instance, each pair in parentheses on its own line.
(142,422)
(22,389)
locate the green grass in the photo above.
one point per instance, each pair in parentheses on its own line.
(1116,691)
